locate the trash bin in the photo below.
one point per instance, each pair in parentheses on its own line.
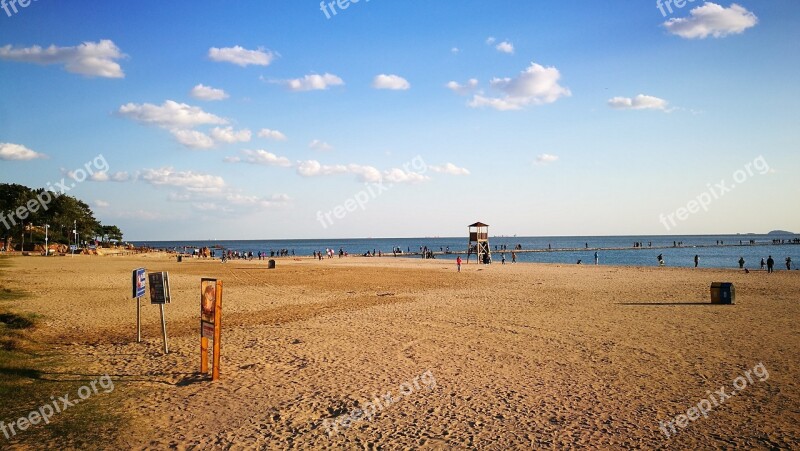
(722,293)
(180,258)
(271,264)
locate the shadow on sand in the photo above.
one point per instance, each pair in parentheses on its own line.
(178,379)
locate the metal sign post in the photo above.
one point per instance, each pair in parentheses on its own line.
(159,294)
(164,329)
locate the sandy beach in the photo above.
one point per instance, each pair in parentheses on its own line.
(523,356)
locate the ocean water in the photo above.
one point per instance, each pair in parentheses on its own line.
(613,250)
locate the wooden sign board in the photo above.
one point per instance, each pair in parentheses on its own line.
(210,324)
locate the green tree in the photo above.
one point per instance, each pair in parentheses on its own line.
(61,212)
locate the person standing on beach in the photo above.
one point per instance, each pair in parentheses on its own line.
(503,260)
(788,263)
(696,260)
(762,263)
(513,257)
(741,262)
(458,263)
(770,264)
(596,258)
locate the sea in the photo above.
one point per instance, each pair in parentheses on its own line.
(713,251)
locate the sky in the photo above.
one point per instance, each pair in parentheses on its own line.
(189,120)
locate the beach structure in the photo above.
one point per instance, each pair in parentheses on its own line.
(479,242)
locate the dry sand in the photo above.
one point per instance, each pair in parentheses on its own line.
(523,356)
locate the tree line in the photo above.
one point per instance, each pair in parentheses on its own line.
(26,211)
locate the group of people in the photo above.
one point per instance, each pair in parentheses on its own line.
(426,252)
(328,253)
(248,255)
(794,241)
(769,263)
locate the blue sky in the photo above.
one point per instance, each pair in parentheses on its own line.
(257,120)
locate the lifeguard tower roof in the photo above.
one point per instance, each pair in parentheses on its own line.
(478,224)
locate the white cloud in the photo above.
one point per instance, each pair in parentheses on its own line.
(203,92)
(120,176)
(320,145)
(99,177)
(241,56)
(505,47)
(466,88)
(271,134)
(104,176)
(229,135)
(10,151)
(546,158)
(393,82)
(712,20)
(260,157)
(193,138)
(170,114)
(364,173)
(455,50)
(451,169)
(93,59)
(101,204)
(397,175)
(188,180)
(313,82)
(536,85)
(640,102)
(490,40)
(313,168)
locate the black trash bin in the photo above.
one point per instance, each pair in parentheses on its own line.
(722,293)
(180,258)
(271,264)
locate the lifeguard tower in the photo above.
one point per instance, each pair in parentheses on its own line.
(479,242)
